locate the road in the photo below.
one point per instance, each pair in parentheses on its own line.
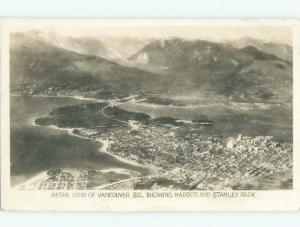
(109,117)
(118,104)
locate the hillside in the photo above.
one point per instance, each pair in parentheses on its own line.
(38,67)
(281,50)
(82,45)
(125,46)
(246,74)
(172,67)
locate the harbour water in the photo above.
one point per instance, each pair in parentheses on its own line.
(35,149)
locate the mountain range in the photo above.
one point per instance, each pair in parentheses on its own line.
(281,50)
(244,71)
(241,73)
(39,67)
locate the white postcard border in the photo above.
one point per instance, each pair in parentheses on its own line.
(271,200)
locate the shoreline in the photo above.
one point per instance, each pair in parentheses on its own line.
(242,106)
(77,97)
(122,156)
(69,131)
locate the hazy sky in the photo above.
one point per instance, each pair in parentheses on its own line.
(211,30)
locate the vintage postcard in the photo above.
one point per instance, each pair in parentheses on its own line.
(150,115)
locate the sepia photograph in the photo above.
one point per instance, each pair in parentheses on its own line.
(150,106)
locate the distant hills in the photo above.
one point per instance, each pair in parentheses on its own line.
(283,51)
(125,46)
(39,67)
(242,74)
(243,70)
(82,45)
(113,48)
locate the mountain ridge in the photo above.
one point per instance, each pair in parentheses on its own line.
(180,67)
(37,66)
(199,64)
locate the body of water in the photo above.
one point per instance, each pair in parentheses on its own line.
(229,119)
(35,148)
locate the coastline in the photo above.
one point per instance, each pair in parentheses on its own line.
(105,143)
(78,97)
(69,131)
